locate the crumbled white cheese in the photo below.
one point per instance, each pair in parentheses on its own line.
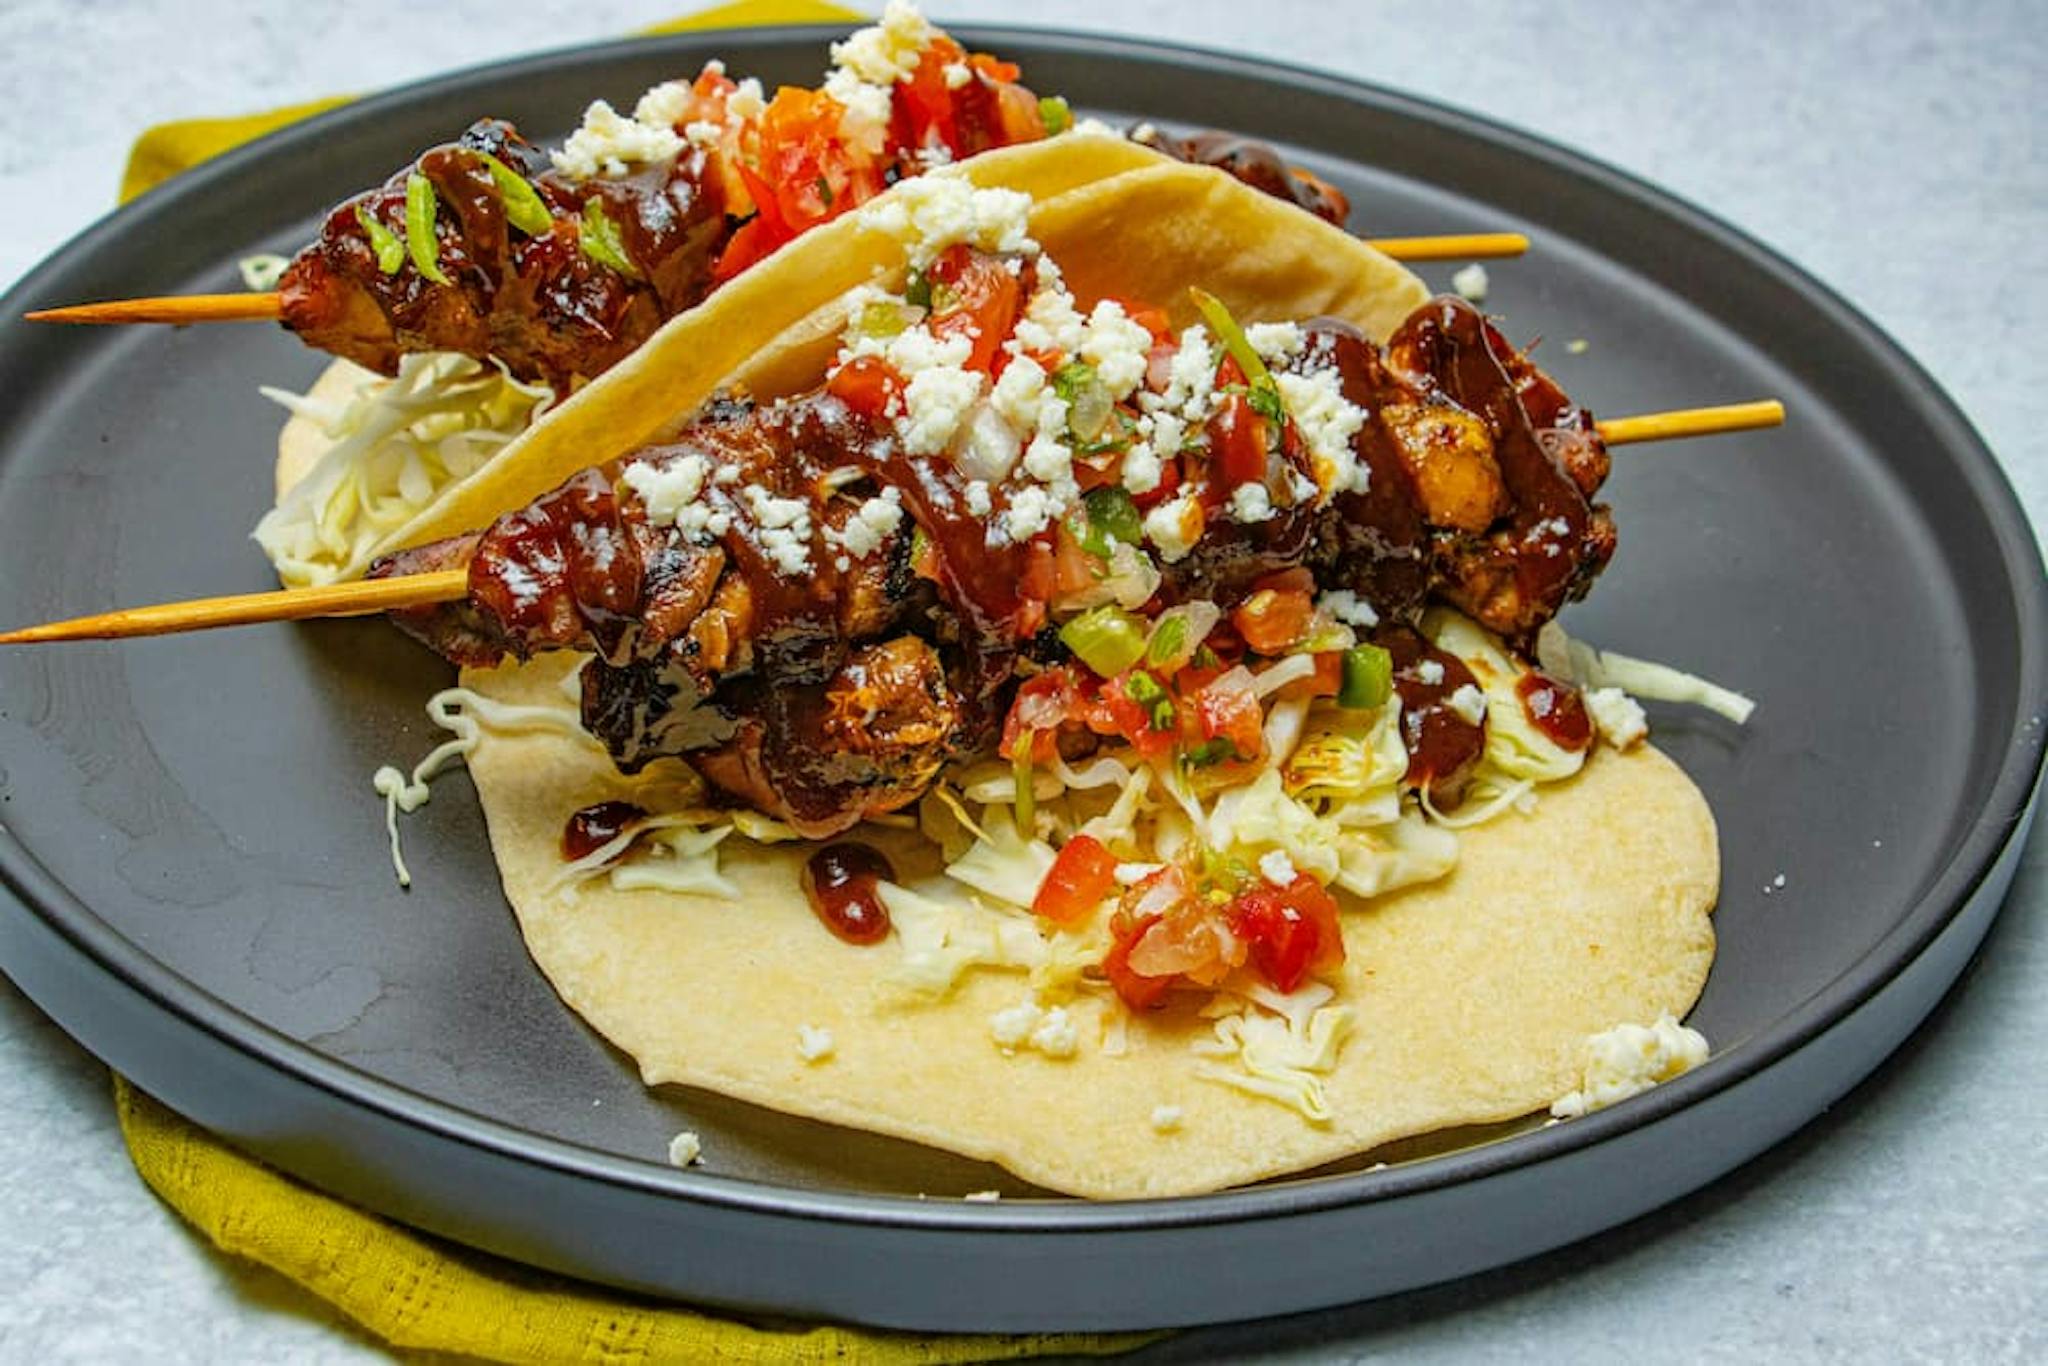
(1032,509)
(673,494)
(1191,380)
(957,74)
(746,102)
(1577,346)
(988,448)
(1142,468)
(1277,868)
(1471,282)
(1050,321)
(865,124)
(1094,128)
(1249,502)
(1467,703)
(977,496)
(815,1044)
(1628,1060)
(930,213)
(665,105)
(608,144)
(702,133)
(871,525)
(1174,527)
(1275,341)
(889,51)
(983,1196)
(684,1149)
(1116,347)
(1049,461)
(782,528)
(1027,1025)
(1617,716)
(1346,606)
(1166,1118)
(1430,672)
(1019,393)
(1327,422)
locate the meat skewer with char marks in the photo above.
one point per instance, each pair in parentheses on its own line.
(822,600)
(559,266)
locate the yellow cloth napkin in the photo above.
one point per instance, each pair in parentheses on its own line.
(415,1291)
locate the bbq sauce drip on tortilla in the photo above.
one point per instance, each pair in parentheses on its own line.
(595,826)
(841,881)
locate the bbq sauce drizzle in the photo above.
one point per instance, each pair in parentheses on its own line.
(583,564)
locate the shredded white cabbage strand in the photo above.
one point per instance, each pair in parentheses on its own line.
(1643,678)
(397,443)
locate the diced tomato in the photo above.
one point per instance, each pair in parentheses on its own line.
(925,110)
(995,68)
(805,174)
(1292,931)
(1082,875)
(1237,443)
(1043,705)
(1228,710)
(1138,991)
(1193,941)
(986,300)
(1075,570)
(1169,484)
(867,385)
(1326,681)
(1271,620)
(1041,571)
(1229,373)
(1113,711)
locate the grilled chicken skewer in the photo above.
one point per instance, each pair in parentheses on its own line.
(833,694)
(560,265)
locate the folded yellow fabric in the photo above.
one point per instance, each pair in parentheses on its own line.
(417,1292)
(412,1290)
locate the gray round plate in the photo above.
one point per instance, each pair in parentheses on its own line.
(200,885)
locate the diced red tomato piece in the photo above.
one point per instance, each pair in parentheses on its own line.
(1271,620)
(1043,705)
(1326,681)
(1138,991)
(986,301)
(1169,484)
(866,384)
(1292,931)
(1079,879)
(1237,443)
(1228,710)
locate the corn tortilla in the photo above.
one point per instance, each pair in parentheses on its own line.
(1472,994)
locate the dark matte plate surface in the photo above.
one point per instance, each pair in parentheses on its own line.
(204,893)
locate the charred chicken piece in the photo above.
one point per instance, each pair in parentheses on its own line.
(1257,164)
(818,620)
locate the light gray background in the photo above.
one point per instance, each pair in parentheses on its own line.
(1895,149)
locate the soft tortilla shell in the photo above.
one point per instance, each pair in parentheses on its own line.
(1472,994)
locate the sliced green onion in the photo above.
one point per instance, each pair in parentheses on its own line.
(1210,752)
(524,208)
(1264,396)
(1368,677)
(1233,338)
(882,318)
(420,242)
(390,251)
(1110,507)
(1055,114)
(1169,638)
(1023,776)
(1146,691)
(1108,639)
(918,291)
(601,241)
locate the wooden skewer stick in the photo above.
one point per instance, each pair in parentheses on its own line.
(451,585)
(182,309)
(176,309)
(1682,422)
(244,609)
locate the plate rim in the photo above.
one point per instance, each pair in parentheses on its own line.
(2002,810)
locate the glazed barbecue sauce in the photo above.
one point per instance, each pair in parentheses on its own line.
(1556,709)
(592,828)
(840,881)
(1451,342)
(1443,747)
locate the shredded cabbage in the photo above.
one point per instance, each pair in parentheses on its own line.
(943,934)
(1591,668)
(396,444)
(1271,1057)
(1003,864)
(1516,751)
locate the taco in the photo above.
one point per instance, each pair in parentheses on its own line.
(1067,699)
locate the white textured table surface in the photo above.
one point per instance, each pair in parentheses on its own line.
(1898,150)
